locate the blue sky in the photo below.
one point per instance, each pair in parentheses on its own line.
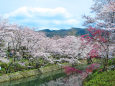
(46,14)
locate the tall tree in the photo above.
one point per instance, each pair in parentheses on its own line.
(103,18)
(104,14)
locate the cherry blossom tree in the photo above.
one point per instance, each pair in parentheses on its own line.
(103,21)
(104,14)
(67,49)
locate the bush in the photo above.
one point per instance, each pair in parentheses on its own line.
(4,67)
(111,61)
(18,67)
(101,79)
(10,68)
(2,71)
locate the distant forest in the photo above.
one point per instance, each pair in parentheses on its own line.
(65,32)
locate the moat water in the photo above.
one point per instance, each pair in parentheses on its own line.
(52,79)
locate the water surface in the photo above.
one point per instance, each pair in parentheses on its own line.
(57,78)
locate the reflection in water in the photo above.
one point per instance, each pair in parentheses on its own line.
(67,81)
(56,79)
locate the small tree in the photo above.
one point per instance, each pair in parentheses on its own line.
(100,41)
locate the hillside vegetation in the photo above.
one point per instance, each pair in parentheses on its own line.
(65,32)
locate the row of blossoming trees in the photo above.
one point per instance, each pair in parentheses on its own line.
(22,42)
(27,43)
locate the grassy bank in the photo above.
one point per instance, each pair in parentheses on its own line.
(101,79)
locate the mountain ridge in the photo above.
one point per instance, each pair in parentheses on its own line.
(65,32)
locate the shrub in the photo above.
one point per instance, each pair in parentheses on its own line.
(4,67)
(101,79)
(111,61)
(10,68)
(2,71)
(18,67)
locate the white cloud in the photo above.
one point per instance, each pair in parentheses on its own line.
(68,21)
(47,17)
(51,28)
(20,11)
(30,12)
(72,21)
